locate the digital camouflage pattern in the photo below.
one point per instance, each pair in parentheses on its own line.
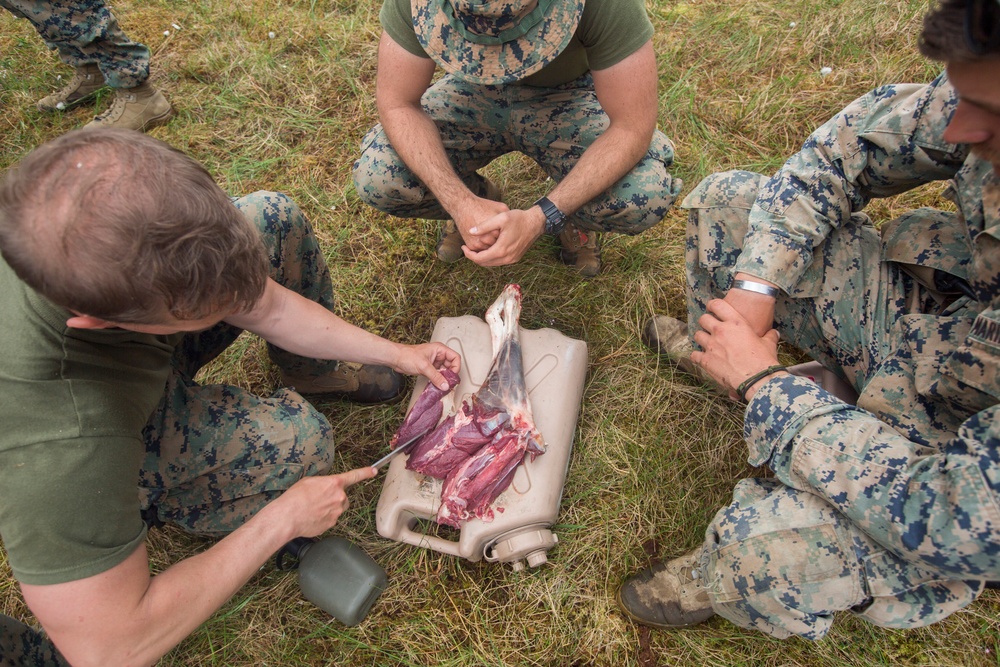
(21,646)
(216,454)
(85,32)
(494,42)
(888,509)
(552,126)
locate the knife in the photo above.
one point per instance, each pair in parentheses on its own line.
(388,457)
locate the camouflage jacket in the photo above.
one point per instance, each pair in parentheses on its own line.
(916,465)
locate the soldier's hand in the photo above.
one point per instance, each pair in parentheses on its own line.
(316,502)
(517,230)
(472,213)
(731,351)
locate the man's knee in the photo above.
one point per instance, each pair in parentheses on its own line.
(719,209)
(735,189)
(273,213)
(382,179)
(311,445)
(780,562)
(632,207)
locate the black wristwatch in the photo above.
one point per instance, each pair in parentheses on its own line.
(555,219)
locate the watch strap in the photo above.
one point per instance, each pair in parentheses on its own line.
(555,219)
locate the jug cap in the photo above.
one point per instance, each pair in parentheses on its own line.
(532,544)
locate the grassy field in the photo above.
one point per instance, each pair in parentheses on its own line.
(276,94)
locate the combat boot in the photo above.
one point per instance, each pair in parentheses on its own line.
(450,241)
(580,249)
(86,81)
(361,383)
(449,245)
(138,108)
(669,336)
(668,595)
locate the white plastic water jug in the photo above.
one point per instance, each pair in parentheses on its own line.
(555,367)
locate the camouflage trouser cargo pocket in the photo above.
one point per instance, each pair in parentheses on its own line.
(220,501)
(783,561)
(216,454)
(778,560)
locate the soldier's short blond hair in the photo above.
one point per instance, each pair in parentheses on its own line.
(120,226)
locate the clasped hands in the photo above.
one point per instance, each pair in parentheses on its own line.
(494,234)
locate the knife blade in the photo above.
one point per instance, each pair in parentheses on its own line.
(398,450)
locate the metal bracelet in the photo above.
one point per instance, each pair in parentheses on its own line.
(759,288)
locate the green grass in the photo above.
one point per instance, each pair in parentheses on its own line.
(655,454)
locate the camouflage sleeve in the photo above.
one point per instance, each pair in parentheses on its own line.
(939,508)
(883,143)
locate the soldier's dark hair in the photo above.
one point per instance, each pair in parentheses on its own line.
(117,225)
(962,31)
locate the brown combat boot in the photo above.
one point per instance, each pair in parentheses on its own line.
(361,383)
(580,249)
(449,245)
(669,336)
(86,81)
(138,108)
(668,595)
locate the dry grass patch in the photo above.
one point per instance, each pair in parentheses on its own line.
(655,455)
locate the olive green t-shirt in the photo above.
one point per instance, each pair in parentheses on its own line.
(609,31)
(73,406)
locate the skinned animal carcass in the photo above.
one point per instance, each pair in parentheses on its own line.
(476,451)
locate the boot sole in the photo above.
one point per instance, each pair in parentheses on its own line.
(156,121)
(68,105)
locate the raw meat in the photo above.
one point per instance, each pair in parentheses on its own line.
(477,451)
(426,410)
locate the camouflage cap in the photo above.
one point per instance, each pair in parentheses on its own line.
(494,41)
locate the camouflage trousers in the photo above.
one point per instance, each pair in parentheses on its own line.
(778,559)
(86,32)
(216,454)
(552,126)
(21,646)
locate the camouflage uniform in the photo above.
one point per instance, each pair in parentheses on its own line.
(85,32)
(888,509)
(551,125)
(216,454)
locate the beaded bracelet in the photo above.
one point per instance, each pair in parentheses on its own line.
(741,390)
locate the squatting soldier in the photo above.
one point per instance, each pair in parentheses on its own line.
(87,37)
(888,509)
(569,83)
(125,268)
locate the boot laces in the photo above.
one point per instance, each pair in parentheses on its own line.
(116,109)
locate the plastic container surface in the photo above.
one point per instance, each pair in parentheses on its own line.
(555,367)
(340,578)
